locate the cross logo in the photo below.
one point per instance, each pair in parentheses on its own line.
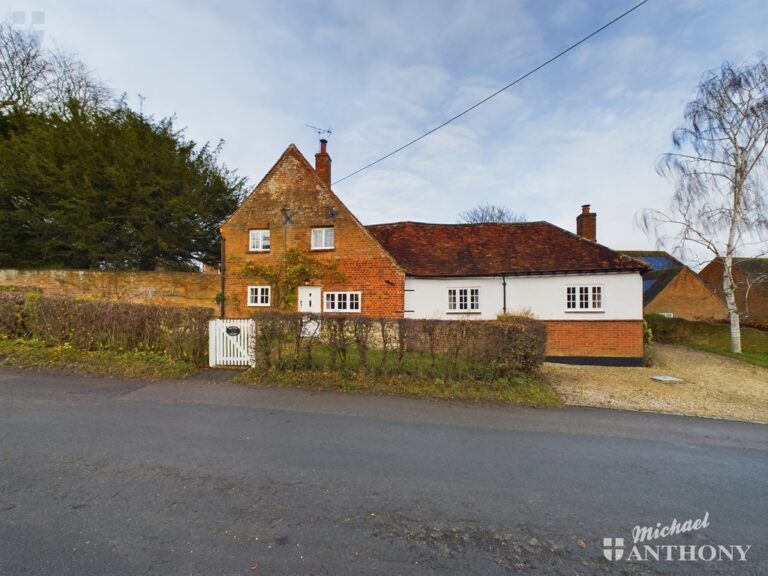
(613,548)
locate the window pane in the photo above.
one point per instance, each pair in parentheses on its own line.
(329,238)
(330,301)
(463,299)
(474,302)
(451,299)
(354,301)
(597,297)
(317,238)
(583,297)
(570,297)
(265,240)
(342,301)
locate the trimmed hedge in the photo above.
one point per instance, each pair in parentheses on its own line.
(447,349)
(178,332)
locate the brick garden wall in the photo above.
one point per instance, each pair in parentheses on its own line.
(595,338)
(167,288)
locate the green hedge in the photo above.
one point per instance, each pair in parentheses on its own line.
(178,332)
(448,349)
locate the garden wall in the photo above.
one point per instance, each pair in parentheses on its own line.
(164,288)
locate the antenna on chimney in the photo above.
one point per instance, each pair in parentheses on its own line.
(320,131)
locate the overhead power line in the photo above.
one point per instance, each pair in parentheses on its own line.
(499,91)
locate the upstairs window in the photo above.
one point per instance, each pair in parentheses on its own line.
(258,295)
(583,298)
(258,241)
(342,301)
(463,299)
(322,239)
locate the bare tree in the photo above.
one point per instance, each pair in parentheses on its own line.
(485,213)
(35,79)
(23,69)
(720,166)
(70,79)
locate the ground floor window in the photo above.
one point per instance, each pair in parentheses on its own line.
(258,295)
(583,298)
(342,301)
(463,299)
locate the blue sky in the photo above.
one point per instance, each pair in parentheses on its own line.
(587,129)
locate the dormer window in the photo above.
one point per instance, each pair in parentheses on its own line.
(322,239)
(258,240)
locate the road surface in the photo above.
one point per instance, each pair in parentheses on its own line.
(111,477)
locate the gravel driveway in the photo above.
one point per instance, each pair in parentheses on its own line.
(712,385)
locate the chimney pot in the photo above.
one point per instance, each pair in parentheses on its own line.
(585,208)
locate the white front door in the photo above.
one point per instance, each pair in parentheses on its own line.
(309,299)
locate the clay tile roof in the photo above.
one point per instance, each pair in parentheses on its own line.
(432,250)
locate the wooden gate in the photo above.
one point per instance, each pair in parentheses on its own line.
(230,342)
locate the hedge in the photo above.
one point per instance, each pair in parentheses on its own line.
(178,332)
(448,349)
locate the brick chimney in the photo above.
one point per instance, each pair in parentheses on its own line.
(323,163)
(586,224)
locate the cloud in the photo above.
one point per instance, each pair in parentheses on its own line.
(588,128)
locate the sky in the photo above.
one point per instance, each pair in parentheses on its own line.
(587,129)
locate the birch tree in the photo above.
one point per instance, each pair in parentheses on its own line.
(720,167)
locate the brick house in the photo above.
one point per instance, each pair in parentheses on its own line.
(751,277)
(672,289)
(294,206)
(589,296)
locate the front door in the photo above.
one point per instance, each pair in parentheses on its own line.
(309,299)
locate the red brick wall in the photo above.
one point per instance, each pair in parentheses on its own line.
(756,310)
(604,338)
(167,288)
(293,183)
(688,297)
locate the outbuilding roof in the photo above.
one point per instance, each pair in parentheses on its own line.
(455,250)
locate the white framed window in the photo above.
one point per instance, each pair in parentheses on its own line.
(342,301)
(463,299)
(258,240)
(583,298)
(259,295)
(322,239)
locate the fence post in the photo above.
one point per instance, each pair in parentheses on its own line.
(212,334)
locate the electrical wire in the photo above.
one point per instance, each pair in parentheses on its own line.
(499,91)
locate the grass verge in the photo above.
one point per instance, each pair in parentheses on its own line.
(709,337)
(756,358)
(520,390)
(24,353)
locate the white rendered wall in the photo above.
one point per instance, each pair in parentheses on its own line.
(544,296)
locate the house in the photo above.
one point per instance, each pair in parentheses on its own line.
(589,296)
(751,278)
(674,290)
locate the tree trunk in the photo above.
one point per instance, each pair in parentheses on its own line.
(729,290)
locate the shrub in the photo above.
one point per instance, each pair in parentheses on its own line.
(447,349)
(178,332)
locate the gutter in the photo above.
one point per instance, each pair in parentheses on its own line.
(504,291)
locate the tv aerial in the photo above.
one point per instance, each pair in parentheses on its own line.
(321,132)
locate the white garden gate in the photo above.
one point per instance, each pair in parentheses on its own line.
(230,342)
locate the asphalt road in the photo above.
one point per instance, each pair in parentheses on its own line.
(110,477)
